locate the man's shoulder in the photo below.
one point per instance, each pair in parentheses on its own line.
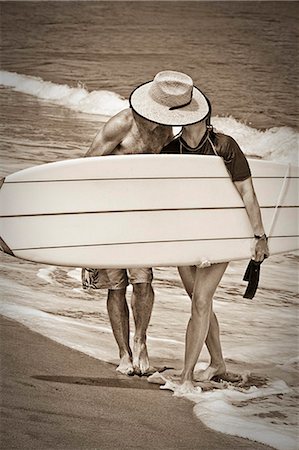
(124,117)
(120,123)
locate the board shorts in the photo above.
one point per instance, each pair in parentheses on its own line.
(114,278)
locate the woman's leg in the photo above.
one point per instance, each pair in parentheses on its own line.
(205,284)
(217,364)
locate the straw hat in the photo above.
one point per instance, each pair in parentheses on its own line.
(170,99)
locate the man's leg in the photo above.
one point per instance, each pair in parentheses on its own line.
(217,363)
(142,305)
(119,318)
(206,282)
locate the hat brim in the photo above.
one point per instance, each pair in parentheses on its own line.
(143,104)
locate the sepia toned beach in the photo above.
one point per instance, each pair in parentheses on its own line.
(65,69)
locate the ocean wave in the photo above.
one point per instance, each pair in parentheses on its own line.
(276,144)
(96,102)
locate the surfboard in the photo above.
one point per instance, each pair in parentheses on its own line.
(143,211)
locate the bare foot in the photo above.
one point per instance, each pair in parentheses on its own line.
(187,387)
(140,358)
(210,372)
(181,389)
(125,366)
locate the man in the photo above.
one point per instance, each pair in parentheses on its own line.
(186,105)
(128,133)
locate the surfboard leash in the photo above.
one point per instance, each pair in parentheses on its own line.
(279,200)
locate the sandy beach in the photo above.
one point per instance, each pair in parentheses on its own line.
(55,397)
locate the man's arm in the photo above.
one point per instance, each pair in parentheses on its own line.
(246,190)
(111,135)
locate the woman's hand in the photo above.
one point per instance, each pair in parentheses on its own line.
(259,248)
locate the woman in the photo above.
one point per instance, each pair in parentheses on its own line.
(201,281)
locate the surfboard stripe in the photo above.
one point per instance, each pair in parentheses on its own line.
(58,180)
(144,242)
(123,211)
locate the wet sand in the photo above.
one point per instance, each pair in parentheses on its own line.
(54,397)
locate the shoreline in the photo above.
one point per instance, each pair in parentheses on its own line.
(56,397)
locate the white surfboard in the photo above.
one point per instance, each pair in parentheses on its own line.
(142,211)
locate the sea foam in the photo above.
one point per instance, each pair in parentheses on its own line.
(96,102)
(276,144)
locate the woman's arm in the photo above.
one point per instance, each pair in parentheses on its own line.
(246,190)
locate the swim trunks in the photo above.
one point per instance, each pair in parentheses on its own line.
(115,278)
